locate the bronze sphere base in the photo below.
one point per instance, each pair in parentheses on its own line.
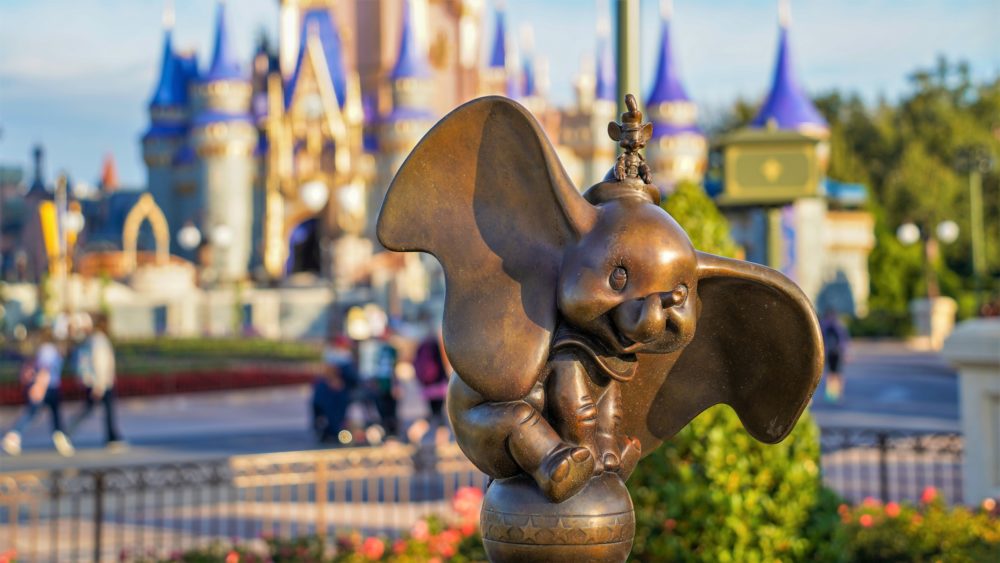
(520,524)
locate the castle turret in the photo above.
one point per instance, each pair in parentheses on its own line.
(493,78)
(584,127)
(224,137)
(411,116)
(678,149)
(787,106)
(168,114)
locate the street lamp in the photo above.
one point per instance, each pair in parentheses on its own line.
(189,237)
(947,233)
(976,160)
(314,195)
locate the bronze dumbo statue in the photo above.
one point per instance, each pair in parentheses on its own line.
(584,329)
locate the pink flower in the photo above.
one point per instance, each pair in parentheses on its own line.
(870,502)
(989,504)
(399,547)
(467,502)
(892,510)
(866,520)
(929,495)
(420,531)
(373,548)
(468,528)
(451,536)
(232,557)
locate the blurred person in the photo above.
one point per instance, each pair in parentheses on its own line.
(432,371)
(381,381)
(41,378)
(95,366)
(411,407)
(835,340)
(333,390)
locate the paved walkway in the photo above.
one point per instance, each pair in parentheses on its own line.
(887,386)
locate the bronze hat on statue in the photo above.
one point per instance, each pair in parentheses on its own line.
(584,329)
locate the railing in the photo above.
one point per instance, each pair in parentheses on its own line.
(156,510)
(892,465)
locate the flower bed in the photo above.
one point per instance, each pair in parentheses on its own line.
(928,531)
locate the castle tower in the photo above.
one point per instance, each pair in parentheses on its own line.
(493,78)
(399,130)
(787,106)
(584,127)
(168,114)
(224,137)
(678,150)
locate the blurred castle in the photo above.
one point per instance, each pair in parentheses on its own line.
(277,167)
(300,149)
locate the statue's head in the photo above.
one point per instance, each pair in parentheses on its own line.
(632,280)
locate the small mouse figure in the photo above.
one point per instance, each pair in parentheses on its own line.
(632,135)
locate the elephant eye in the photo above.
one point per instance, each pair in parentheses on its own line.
(618,278)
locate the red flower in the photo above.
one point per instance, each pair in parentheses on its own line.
(866,520)
(892,510)
(669,524)
(232,557)
(843,510)
(929,495)
(373,548)
(870,502)
(468,528)
(467,502)
(420,531)
(917,519)
(399,547)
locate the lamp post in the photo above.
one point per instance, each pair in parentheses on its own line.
(976,160)
(946,232)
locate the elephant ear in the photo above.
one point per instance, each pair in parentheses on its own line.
(484,193)
(757,347)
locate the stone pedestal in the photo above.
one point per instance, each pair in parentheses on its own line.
(974,348)
(933,320)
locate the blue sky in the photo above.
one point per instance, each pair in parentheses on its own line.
(76,74)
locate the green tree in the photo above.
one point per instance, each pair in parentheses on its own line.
(704,223)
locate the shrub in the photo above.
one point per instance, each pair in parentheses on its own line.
(929,531)
(714,493)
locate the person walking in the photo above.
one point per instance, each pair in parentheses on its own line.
(41,379)
(332,391)
(835,339)
(95,361)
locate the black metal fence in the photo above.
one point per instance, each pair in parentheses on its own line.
(152,511)
(892,465)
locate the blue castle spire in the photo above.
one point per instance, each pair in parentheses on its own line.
(319,23)
(607,82)
(530,87)
(498,56)
(667,87)
(225,64)
(787,106)
(168,86)
(411,63)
